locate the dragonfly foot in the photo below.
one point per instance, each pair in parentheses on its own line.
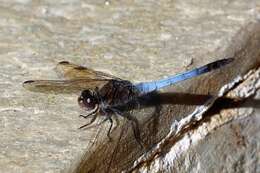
(110,127)
(84,116)
(92,120)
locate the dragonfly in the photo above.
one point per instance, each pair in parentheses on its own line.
(101,93)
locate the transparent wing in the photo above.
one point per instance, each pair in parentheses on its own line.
(73,71)
(63,86)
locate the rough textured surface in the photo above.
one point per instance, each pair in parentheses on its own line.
(224,139)
(135,40)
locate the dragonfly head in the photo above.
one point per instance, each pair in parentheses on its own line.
(88,100)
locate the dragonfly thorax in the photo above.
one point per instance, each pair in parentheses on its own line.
(117,92)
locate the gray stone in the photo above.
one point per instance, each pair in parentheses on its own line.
(225,139)
(134,40)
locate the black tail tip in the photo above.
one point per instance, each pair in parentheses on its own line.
(219,63)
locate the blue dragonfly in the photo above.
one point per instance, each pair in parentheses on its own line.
(101,93)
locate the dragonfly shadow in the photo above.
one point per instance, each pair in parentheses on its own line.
(171,98)
(157,100)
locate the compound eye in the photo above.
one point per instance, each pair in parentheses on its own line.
(87,100)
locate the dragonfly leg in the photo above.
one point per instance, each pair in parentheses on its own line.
(86,116)
(92,120)
(134,124)
(103,121)
(135,127)
(110,127)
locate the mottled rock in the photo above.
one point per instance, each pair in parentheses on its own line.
(134,40)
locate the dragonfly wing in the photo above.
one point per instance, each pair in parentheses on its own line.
(63,86)
(73,71)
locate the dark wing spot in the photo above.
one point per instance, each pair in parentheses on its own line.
(29,81)
(64,62)
(79,68)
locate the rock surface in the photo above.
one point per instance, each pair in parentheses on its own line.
(134,40)
(224,139)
